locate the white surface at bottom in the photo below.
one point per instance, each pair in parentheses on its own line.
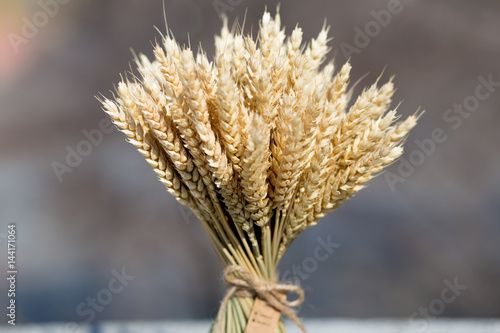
(312,325)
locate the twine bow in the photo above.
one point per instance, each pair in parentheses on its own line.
(245,284)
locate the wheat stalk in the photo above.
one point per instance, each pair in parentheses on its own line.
(261,143)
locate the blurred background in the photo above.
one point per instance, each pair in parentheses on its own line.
(431,221)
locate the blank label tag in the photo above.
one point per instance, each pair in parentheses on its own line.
(263,318)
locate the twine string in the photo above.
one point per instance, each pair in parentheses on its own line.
(244,284)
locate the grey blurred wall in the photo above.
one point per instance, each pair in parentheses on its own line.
(431,221)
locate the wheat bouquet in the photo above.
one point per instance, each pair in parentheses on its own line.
(260,144)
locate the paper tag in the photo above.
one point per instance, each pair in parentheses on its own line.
(263,318)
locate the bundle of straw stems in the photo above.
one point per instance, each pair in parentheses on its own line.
(260,143)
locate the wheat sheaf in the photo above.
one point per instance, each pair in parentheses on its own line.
(260,143)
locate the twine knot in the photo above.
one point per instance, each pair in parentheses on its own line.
(244,284)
